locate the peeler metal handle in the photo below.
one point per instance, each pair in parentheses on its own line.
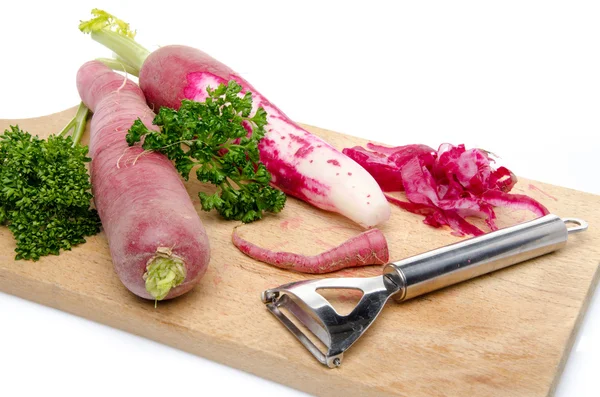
(476,256)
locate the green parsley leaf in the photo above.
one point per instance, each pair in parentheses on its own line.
(212,138)
(45,193)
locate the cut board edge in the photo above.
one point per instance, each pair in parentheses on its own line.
(66,301)
(583,311)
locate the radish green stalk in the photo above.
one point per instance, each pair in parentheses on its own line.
(77,124)
(119,65)
(115,34)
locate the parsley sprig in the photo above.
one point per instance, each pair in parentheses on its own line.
(45,191)
(212,138)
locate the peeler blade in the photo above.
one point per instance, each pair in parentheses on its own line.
(315,313)
(313,327)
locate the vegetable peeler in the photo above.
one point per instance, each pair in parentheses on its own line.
(408,278)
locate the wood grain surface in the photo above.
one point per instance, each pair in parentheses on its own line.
(502,334)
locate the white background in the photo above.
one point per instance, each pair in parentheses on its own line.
(519,78)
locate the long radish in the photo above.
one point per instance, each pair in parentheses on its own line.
(158,244)
(301,164)
(368,248)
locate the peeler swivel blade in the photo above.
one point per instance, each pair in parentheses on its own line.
(336,332)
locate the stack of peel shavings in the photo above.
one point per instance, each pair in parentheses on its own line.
(447,185)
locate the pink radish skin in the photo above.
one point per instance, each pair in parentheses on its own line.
(368,248)
(145,210)
(302,164)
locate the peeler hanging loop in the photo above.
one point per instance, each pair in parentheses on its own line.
(581,225)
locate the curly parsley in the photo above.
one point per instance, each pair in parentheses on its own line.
(45,192)
(210,137)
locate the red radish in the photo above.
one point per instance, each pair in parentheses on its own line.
(368,248)
(301,164)
(158,244)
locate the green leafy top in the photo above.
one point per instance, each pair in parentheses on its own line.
(45,192)
(104,21)
(210,137)
(115,34)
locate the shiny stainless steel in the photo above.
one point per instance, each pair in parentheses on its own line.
(335,331)
(581,225)
(476,256)
(408,278)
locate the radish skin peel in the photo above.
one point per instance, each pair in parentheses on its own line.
(301,164)
(446,186)
(368,248)
(157,242)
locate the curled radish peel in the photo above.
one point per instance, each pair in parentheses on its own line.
(446,186)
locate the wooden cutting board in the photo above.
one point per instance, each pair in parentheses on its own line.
(507,333)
